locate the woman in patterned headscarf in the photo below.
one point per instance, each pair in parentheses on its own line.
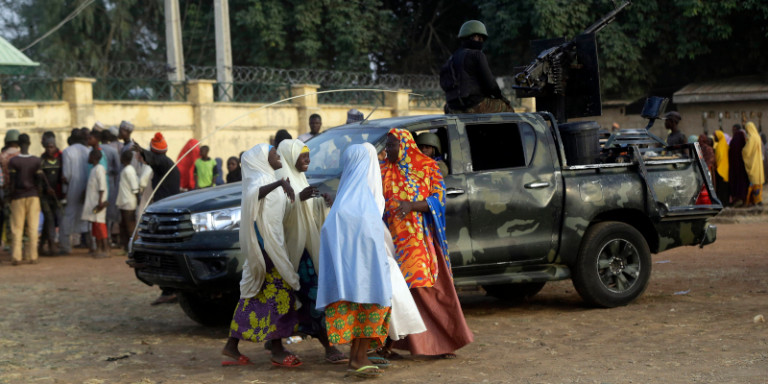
(753,163)
(415,214)
(721,171)
(267,306)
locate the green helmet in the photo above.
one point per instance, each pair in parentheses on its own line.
(472,27)
(427,138)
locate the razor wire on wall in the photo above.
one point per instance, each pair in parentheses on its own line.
(133,80)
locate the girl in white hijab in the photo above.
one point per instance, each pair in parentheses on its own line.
(303,220)
(267,306)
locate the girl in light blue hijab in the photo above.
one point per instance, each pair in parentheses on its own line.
(354,286)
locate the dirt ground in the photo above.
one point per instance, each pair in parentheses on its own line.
(80,320)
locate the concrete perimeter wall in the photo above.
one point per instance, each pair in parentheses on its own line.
(238,126)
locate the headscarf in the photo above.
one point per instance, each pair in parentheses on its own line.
(187,165)
(353,255)
(753,156)
(267,213)
(374,178)
(236,174)
(302,230)
(217,170)
(721,155)
(707,151)
(738,180)
(415,177)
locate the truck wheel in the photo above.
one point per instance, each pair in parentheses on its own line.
(613,266)
(514,292)
(207,310)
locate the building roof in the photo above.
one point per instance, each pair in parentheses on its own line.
(745,88)
(12,61)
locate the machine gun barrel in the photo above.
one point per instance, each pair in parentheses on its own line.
(607,19)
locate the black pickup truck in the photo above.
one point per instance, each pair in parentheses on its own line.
(528,201)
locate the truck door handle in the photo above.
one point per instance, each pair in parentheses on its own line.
(454,191)
(537,185)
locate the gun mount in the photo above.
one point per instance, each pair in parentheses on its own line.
(565,77)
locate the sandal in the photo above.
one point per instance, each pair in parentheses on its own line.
(379,361)
(388,354)
(448,356)
(289,361)
(337,357)
(365,372)
(268,348)
(242,360)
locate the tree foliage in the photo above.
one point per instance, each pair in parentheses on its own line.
(105,30)
(652,45)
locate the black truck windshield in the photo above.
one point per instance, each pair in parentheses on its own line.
(326,148)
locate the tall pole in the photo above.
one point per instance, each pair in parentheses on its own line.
(174,51)
(223,50)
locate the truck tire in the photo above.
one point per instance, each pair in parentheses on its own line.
(613,266)
(514,292)
(207,310)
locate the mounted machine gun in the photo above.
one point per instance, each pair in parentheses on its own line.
(565,77)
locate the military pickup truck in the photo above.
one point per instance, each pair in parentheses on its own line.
(528,201)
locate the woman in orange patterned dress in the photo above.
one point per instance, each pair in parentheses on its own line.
(415,214)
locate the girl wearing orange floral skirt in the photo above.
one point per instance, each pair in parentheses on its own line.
(354,286)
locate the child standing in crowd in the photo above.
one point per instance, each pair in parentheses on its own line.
(205,169)
(52,193)
(235,173)
(94,209)
(127,198)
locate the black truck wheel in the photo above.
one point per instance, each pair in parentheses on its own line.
(613,266)
(514,292)
(211,311)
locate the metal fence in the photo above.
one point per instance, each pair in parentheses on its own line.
(17,88)
(123,80)
(251,91)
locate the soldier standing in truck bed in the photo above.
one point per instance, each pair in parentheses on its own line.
(466,78)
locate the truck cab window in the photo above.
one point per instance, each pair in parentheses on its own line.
(443,149)
(498,146)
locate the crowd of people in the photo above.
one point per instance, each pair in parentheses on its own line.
(737,162)
(368,268)
(90,193)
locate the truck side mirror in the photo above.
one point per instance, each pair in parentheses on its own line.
(654,107)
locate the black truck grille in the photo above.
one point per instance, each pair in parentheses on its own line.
(165,227)
(157,264)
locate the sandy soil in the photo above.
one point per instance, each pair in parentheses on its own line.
(79,320)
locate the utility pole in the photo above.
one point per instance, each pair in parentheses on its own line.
(174,48)
(223,50)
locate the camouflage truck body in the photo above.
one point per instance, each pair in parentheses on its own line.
(517,215)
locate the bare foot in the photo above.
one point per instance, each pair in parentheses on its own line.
(230,349)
